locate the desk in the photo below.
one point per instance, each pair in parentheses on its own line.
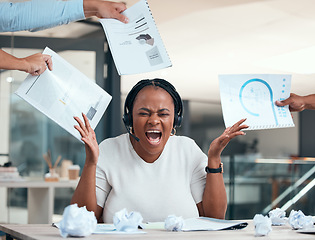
(40,197)
(47,232)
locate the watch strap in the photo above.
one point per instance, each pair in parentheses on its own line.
(215,170)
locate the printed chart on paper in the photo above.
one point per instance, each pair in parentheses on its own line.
(63,93)
(136,46)
(253,96)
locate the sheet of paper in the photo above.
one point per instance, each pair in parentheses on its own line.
(211,224)
(137,46)
(110,229)
(105,228)
(63,93)
(154,225)
(253,96)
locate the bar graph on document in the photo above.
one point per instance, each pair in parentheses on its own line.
(63,93)
(136,46)
(253,96)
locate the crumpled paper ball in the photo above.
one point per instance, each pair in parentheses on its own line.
(298,220)
(173,223)
(127,222)
(277,217)
(262,225)
(77,222)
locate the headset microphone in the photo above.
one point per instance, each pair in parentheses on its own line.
(132,135)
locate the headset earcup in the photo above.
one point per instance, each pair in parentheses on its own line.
(177,121)
(126,120)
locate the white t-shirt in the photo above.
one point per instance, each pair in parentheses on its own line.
(173,184)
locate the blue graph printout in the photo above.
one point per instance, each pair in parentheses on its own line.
(253,96)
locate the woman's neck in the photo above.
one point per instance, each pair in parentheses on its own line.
(145,156)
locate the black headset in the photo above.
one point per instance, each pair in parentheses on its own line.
(178,104)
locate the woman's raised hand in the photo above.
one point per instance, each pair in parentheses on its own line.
(217,145)
(89,138)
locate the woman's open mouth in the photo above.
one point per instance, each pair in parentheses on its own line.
(154,136)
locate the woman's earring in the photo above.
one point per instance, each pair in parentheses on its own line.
(173,132)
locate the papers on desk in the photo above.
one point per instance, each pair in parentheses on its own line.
(104,228)
(63,93)
(202,224)
(190,224)
(211,224)
(253,96)
(110,229)
(136,46)
(306,230)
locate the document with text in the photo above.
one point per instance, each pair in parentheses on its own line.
(63,93)
(211,224)
(253,96)
(136,46)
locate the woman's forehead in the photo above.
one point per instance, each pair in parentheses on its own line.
(153,94)
(152,91)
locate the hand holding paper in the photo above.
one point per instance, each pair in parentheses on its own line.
(104,9)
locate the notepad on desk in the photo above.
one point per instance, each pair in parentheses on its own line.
(107,228)
(202,224)
(253,96)
(211,224)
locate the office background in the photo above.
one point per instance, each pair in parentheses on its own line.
(203,39)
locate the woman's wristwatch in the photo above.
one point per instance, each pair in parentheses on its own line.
(215,170)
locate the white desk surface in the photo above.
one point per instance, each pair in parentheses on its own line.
(38,184)
(47,232)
